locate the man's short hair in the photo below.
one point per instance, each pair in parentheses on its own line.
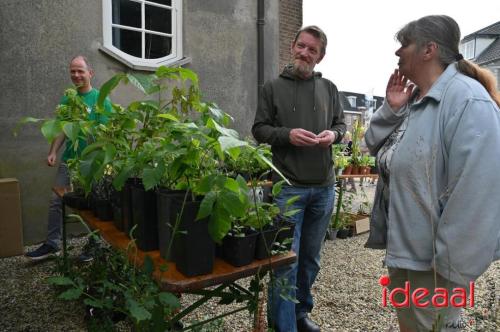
(316,32)
(84,58)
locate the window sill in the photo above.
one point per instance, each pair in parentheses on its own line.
(153,68)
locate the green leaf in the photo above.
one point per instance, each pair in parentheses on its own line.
(229,142)
(206,184)
(219,115)
(89,165)
(51,129)
(267,161)
(92,147)
(219,224)
(292,200)
(242,183)
(277,188)
(109,153)
(291,213)
(122,176)
(138,312)
(60,281)
(232,185)
(143,82)
(22,122)
(188,74)
(222,130)
(169,300)
(148,177)
(107,87)
(71,130)
(166,72)
(71,294)
(168,116)
(93,303)
(232,203)
(206,205)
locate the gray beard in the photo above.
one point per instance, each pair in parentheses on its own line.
(302,70)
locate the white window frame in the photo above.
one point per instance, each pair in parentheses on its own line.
(352,101)
(174,59)
(468,49)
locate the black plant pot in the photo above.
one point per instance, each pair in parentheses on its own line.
(117,207)
(343,233)
(165,224)
(194,249)
(265,241)
(218,250)
(127,217)
(93,203)
(239,250)
(76,201)
(145,217)
(103,209)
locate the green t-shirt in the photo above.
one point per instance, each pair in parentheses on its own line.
(90,99)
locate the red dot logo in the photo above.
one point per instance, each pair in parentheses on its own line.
(384,281)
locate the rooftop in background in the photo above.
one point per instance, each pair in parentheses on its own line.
(355,102)
(482,46)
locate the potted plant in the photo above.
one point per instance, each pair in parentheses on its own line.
(76,198)
(101,199)
(365,164)
(357,136)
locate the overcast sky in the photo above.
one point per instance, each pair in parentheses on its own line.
(360,52)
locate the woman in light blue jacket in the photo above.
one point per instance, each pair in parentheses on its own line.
(437,142)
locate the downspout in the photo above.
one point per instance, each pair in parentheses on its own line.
(260,48)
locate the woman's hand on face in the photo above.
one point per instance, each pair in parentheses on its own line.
(399,90)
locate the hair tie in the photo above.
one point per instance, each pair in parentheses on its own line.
(459,57)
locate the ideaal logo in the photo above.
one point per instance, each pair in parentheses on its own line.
(440,298)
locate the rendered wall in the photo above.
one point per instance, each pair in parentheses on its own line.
(220,37)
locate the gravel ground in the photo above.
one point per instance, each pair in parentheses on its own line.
(347,295)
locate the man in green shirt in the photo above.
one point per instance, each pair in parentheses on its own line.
(81,74)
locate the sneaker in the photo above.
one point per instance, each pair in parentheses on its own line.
(43,252)
(88,251)
(85,257)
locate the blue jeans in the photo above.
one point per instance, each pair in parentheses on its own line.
(311,223)
(54,226)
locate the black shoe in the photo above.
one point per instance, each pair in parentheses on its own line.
(306,325)
(43,252)
(89,251)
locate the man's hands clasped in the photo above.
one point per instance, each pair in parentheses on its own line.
(302,137)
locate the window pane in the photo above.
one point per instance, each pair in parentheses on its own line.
(157,46)
(158,19)
(126,12)
(127,41)
(163,2)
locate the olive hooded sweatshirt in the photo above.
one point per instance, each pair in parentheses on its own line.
(313,104)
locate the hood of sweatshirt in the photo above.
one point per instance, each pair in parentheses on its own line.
(288,73)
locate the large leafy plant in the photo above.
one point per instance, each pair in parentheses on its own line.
(114,286)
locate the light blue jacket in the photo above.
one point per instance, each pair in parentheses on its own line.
(444,181)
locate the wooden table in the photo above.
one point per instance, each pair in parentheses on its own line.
(172,280)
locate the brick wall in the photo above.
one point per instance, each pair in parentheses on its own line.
(290,22)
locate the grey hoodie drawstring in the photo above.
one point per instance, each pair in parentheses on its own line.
(314,92)
(295,95)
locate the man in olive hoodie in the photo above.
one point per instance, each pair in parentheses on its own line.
(300,116)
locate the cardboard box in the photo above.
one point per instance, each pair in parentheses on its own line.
(361,223)
(11,226)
